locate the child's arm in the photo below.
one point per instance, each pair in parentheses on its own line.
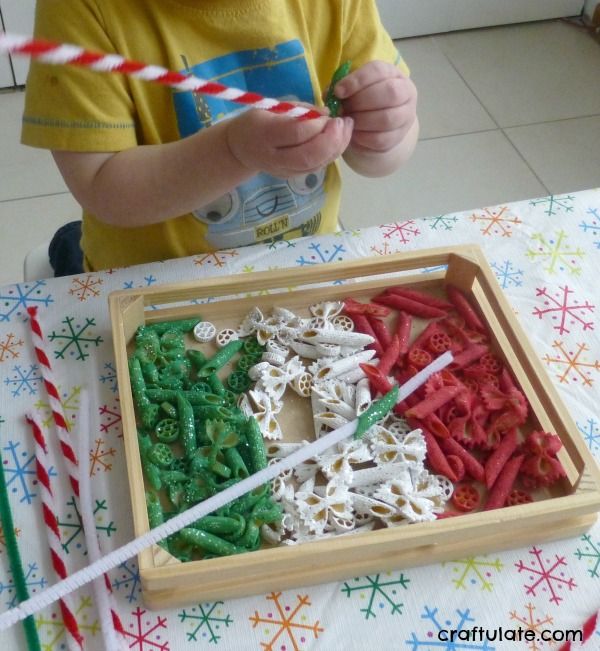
(382,102)
(149,184)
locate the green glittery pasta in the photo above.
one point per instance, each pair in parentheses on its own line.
(179,325)
(187,428)
(209,542)
(256,445)
(331,101)
(219,359)
(376,412)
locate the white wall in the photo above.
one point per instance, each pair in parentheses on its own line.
(414,17)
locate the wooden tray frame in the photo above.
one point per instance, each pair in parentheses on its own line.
(166,582)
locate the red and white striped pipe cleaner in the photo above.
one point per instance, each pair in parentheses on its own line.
(59,53)
(56,407)
(62,429)
(73,634)
(588,628)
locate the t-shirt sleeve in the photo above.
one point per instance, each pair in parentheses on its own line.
(365,37)
(71,108)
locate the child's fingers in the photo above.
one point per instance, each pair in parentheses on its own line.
(283,131)
(384,93)
(384,119)
(320,150)
(366,75)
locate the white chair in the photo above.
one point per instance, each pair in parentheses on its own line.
(36,265)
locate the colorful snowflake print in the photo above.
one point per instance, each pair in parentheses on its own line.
(380,590)
(555,254)
(507,274)
(554,204)
(402,232)
(496,221)
(33,582)
(52,630)
(321,253)
(218,258)
(591,552)
(147,632)
(101,457)
(591,433)
(433,639)
(75,339)
(594,226)
(3,538)
(86,287)
(8,347)
(207,620)
(473,571)
(17,298)
(530,622)
(24,380)
(546,575)
(285,623)
(573,364)
(20,472)
(71,528)
(565,310)
(129,580)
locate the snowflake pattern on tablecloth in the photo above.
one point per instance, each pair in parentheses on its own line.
(402,232)
(52,630)
(286,624)
(564,309)
(556,254)
(100,457)
(86,287)
(8,347)
(384,249)
(440,222)
(554,204)
(432,640)
(129,580)
(33,582)
(380,591)
(148,280)
(594,227)
(147,632)
(530,622)
(272,245)
(546,575)
(76,339)
(20,473)
(507,274)
(3,538)
(110,418)
(71,528)
(591,552)
(109,376)
(24,380)
(574,366)
(19,297)
(591,433)
(473,571)
(69,401)
(207,619)
(218,258)
(496,221)
(322,254)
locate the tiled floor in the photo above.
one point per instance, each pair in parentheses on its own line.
(507,113)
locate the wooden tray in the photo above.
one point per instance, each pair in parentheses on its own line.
(568,511)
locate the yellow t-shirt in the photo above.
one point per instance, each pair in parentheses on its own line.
(287,49)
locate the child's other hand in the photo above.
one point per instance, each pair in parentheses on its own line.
(382,103)
(285,147)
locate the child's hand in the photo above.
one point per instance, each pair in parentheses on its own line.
(285,147)
(382,102)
